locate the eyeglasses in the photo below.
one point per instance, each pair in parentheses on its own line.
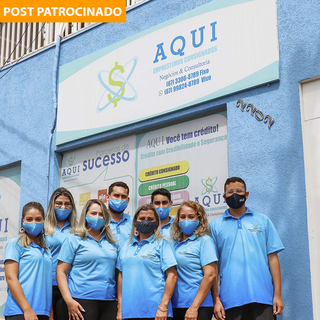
(59,204)
(237,191)
(158,203)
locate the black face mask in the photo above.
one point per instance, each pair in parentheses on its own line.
(146,226)
(236,201)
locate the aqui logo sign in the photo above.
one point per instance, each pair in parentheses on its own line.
(117,84)
(210,196)
(71,160)
(72,168)
(209,185)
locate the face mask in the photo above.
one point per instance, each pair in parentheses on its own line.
(33,228)
(146,226)
(163,212)
(236,201)
(118,206)
(188,226)
(62,214)
(95,223)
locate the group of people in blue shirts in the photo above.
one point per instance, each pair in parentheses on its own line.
(110,265)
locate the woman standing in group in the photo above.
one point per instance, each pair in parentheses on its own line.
(28,269)
(148,273)
(61,218)
(196,258)
(86,267)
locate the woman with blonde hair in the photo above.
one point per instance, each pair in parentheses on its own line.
(196,257)
(28,269)
(147,270)
(61,218)
(86,271)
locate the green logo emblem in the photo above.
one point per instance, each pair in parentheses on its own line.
(116,83)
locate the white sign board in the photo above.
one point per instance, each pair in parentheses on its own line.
(88,172)
(9,219)
(222,47)
(189,159)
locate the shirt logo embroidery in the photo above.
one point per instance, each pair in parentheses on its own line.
(255,228)
(150,255)
(185,252)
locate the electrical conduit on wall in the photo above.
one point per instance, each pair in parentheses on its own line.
(55,104)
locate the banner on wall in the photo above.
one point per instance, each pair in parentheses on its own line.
(88,172)
(222,47)
(9,220)
(189,159)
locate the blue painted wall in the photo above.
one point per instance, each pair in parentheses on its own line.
(270,160)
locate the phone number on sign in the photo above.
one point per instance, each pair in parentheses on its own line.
(184,78)
(182,86)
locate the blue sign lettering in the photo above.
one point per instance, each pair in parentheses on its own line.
(179,43)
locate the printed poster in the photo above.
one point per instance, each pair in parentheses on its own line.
(190,159)
(89,171)
(10,180)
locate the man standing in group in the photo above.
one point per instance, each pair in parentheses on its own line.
(247,244)
(161,200)
(118,199)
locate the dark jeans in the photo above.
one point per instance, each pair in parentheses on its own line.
(251,311)
(94,309)
(204,313)
(56,296)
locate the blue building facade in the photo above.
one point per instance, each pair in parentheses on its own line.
(269,158)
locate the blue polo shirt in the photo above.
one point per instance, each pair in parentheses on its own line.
(122,230)
(92,267)
(165,229)
(34,276)
(192,255)
(143,265)
(54,242)
(243,247)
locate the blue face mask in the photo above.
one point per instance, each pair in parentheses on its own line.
(95,223)
(163,212)
(188,226)
(118,206)
(33,228)
(62,214)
